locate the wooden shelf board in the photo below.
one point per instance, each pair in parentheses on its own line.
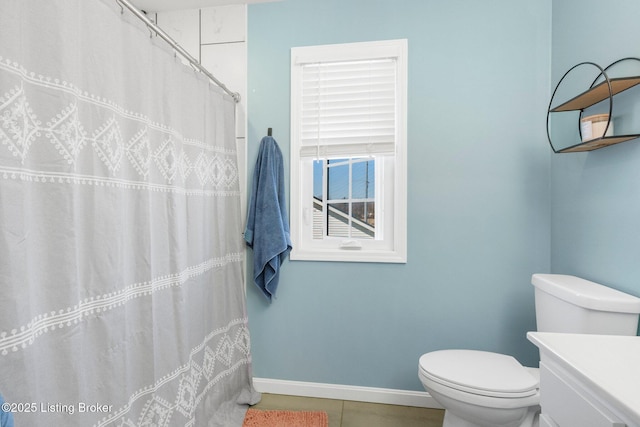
(597,93)
(594,144)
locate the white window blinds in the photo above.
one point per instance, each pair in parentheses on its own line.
(348,108)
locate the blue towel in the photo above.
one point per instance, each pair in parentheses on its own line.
(6,417)
(267,231)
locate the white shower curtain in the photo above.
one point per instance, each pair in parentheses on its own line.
(121,286)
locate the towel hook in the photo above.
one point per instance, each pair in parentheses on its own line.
(269,131)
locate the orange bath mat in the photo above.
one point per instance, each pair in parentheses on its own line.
(259,418)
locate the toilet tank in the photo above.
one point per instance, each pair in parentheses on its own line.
(574,305)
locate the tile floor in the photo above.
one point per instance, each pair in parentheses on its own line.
(345,413)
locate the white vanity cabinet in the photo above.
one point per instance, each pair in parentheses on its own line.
(588,380)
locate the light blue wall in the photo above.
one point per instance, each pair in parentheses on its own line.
(479,204)
(596,195)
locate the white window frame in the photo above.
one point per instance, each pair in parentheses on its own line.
(390,171)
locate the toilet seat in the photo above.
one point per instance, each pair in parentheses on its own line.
(479,372)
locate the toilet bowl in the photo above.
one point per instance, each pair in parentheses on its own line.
(480,388)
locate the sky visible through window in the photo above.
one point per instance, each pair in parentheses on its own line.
(363,182)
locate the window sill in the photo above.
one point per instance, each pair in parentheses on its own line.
(347,255)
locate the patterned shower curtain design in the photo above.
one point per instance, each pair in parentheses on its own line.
(121,285)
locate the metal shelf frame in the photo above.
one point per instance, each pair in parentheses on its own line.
(596,93)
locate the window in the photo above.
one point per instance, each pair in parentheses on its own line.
(348,152)
(344,198)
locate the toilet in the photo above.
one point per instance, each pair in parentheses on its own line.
(480,388)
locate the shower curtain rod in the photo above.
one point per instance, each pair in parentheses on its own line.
(192,61)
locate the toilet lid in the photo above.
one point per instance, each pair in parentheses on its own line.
(480,372)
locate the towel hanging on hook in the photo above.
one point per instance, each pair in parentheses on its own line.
(267,230)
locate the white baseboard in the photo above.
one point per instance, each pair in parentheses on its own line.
(421,399)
